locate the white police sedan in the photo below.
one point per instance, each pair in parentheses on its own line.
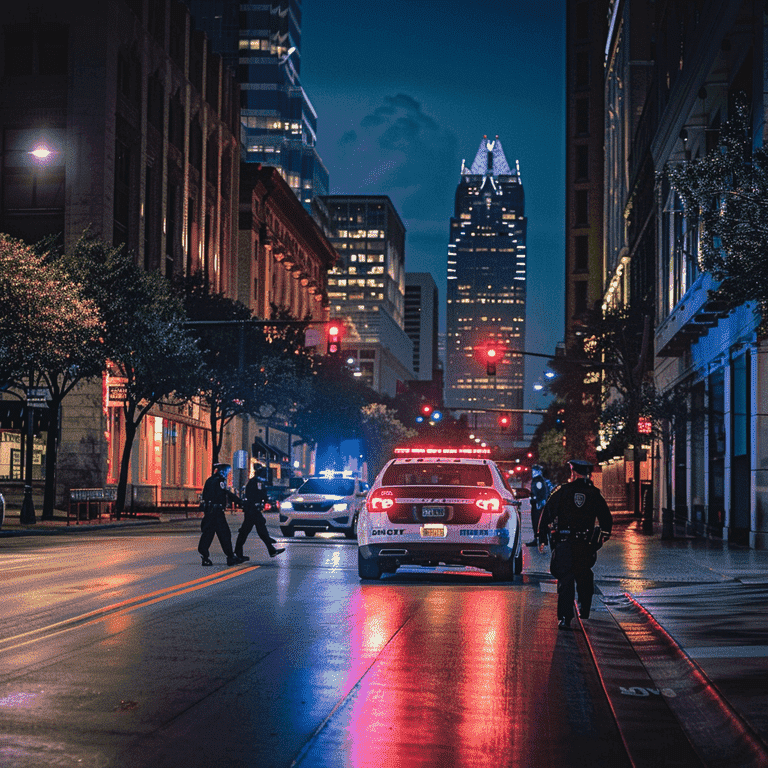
(440,505)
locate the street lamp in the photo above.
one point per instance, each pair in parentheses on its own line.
(41,155)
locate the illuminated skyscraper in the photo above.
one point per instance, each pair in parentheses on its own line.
(262,45)
(486,286)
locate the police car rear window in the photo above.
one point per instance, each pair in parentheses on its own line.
(438,474)
(330,486)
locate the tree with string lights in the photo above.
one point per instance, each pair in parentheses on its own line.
(727,190)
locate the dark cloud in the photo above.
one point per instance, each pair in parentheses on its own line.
(406,154)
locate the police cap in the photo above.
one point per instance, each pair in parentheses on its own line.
(221,467)
(580,466)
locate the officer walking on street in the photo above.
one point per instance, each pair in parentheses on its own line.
(254,499)
(541,487)
(568,521)
(215,498)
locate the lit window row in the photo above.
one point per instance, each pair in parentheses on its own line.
(371,258)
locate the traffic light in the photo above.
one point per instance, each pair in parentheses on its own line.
(504,421)
(334,338)
(491,356)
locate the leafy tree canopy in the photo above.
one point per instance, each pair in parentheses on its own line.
(46,323)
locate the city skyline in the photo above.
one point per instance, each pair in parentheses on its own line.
(400,120)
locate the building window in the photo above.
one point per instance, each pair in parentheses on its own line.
(582,117)
(581,253)
(582,21)
(582,162)
(122,195)
(582,208)
(579,298)
(582,69)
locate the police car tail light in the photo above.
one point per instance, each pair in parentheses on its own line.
(380,501)
(489,503)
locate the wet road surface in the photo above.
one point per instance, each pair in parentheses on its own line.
(120,650)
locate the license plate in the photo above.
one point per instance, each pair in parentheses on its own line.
(433,511)
(433,530)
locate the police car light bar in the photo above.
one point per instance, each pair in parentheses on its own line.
(442,450)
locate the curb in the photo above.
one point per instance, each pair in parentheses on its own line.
(46,530)
(715,731)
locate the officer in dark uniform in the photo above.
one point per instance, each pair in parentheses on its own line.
(540,490)
(215,498)
(568,521)
(254,499)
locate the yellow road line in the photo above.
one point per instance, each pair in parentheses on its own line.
(118,609)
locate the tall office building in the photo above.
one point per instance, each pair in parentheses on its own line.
(487,287)
(262,45)
(421,320)
(366,287)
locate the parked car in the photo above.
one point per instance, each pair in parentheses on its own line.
(438,508)
(329,502)
(2,510)
(275,495)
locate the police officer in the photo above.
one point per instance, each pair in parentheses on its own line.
(540,490)
(215,498)
(254,499)
(568,520)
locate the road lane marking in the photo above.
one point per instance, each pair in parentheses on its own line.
(118,609)
(727,652)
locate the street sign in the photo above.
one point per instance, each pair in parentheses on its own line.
(37,397)
(240,460)
(117,394)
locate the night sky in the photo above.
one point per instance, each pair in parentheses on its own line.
(406,89)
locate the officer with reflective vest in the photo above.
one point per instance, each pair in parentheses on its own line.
(216,495)
(568,522)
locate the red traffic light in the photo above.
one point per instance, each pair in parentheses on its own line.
(491,355)
(334,338)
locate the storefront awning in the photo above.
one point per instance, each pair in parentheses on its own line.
(261,450)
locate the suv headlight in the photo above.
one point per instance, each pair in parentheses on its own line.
(286,505)
(342,506)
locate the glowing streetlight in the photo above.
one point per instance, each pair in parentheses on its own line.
(41,153)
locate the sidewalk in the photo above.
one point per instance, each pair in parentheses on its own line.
(695,612)
(11,524)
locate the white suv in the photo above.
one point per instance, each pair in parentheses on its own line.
(440,507)
(329,502)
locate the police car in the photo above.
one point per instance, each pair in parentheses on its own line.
(331,501)
(441,505)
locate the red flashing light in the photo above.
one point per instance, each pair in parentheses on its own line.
(442,450)
(426,409)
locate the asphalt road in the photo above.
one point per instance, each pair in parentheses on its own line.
(118,649)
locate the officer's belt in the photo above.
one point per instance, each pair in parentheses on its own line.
(586,535)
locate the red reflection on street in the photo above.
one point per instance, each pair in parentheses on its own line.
(437,693)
